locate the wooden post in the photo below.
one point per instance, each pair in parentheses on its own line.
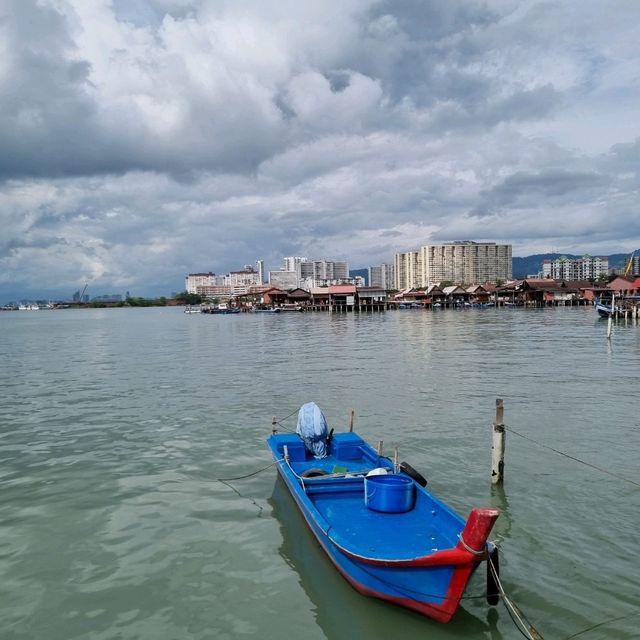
(610,319)
(353,413)
(396,466)
(497,447)
(273,425)
(380,445)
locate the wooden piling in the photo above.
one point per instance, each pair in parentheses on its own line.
(497,446)
(353,413)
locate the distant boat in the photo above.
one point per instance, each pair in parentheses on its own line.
(291,307)
(222,309)
(603,310)
(194,309)
(267,310)
(28,307)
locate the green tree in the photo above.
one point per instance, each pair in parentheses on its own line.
(188,298)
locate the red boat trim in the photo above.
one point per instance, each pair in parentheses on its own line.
(477,529)
(452,556)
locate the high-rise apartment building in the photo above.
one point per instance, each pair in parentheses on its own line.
(382,276)
(292,263)
(323,271)
(465,262)
(584,268)
(461,262)
(407,270)
(260,270)
(247,277)
(194,280)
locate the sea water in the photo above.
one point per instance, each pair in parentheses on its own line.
(117,424)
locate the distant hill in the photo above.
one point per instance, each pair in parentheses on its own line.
(360,272)
(528,265)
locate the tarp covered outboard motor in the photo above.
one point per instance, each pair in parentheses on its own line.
(312,428)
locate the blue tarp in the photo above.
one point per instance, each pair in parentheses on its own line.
(312,428)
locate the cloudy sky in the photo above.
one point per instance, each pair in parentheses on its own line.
(144,139)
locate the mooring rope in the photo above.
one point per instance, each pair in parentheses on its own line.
(248,475)
(520,621)
(602,624)
(567,455)
(283,419)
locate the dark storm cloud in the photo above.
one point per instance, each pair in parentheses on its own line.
(525,188)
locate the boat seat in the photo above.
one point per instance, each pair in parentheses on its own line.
(295,446)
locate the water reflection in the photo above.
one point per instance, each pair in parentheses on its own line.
(502,528)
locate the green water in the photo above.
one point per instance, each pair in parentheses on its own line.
(116,423)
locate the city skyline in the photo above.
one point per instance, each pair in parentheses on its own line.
(146,139)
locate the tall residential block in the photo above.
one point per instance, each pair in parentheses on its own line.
(382,276)
(585,268)
(461,262)
(408,268)
(195,280)
(465,262)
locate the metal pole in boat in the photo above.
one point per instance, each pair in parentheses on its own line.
(497,447)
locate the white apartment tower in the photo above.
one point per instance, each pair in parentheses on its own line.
(461,262)
(407,268)
(195,280)
(465,262)
(585,268)
(292,263)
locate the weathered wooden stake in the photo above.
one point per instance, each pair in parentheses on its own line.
(396,465)
(380,445)
(273,424)
(497,447)
(353,413)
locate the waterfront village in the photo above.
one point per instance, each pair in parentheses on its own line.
(460,274)
(451,275)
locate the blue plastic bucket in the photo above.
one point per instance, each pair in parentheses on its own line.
(389,493)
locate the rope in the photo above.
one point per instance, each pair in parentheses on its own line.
(601,624)
(520,621)
(226,482)
(476,552)
(286,418)
(566,455)
(248,475)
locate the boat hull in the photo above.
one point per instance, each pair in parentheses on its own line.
(430,583)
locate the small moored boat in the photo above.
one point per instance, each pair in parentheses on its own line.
(384,531)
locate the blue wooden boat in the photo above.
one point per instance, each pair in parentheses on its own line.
(388,535)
